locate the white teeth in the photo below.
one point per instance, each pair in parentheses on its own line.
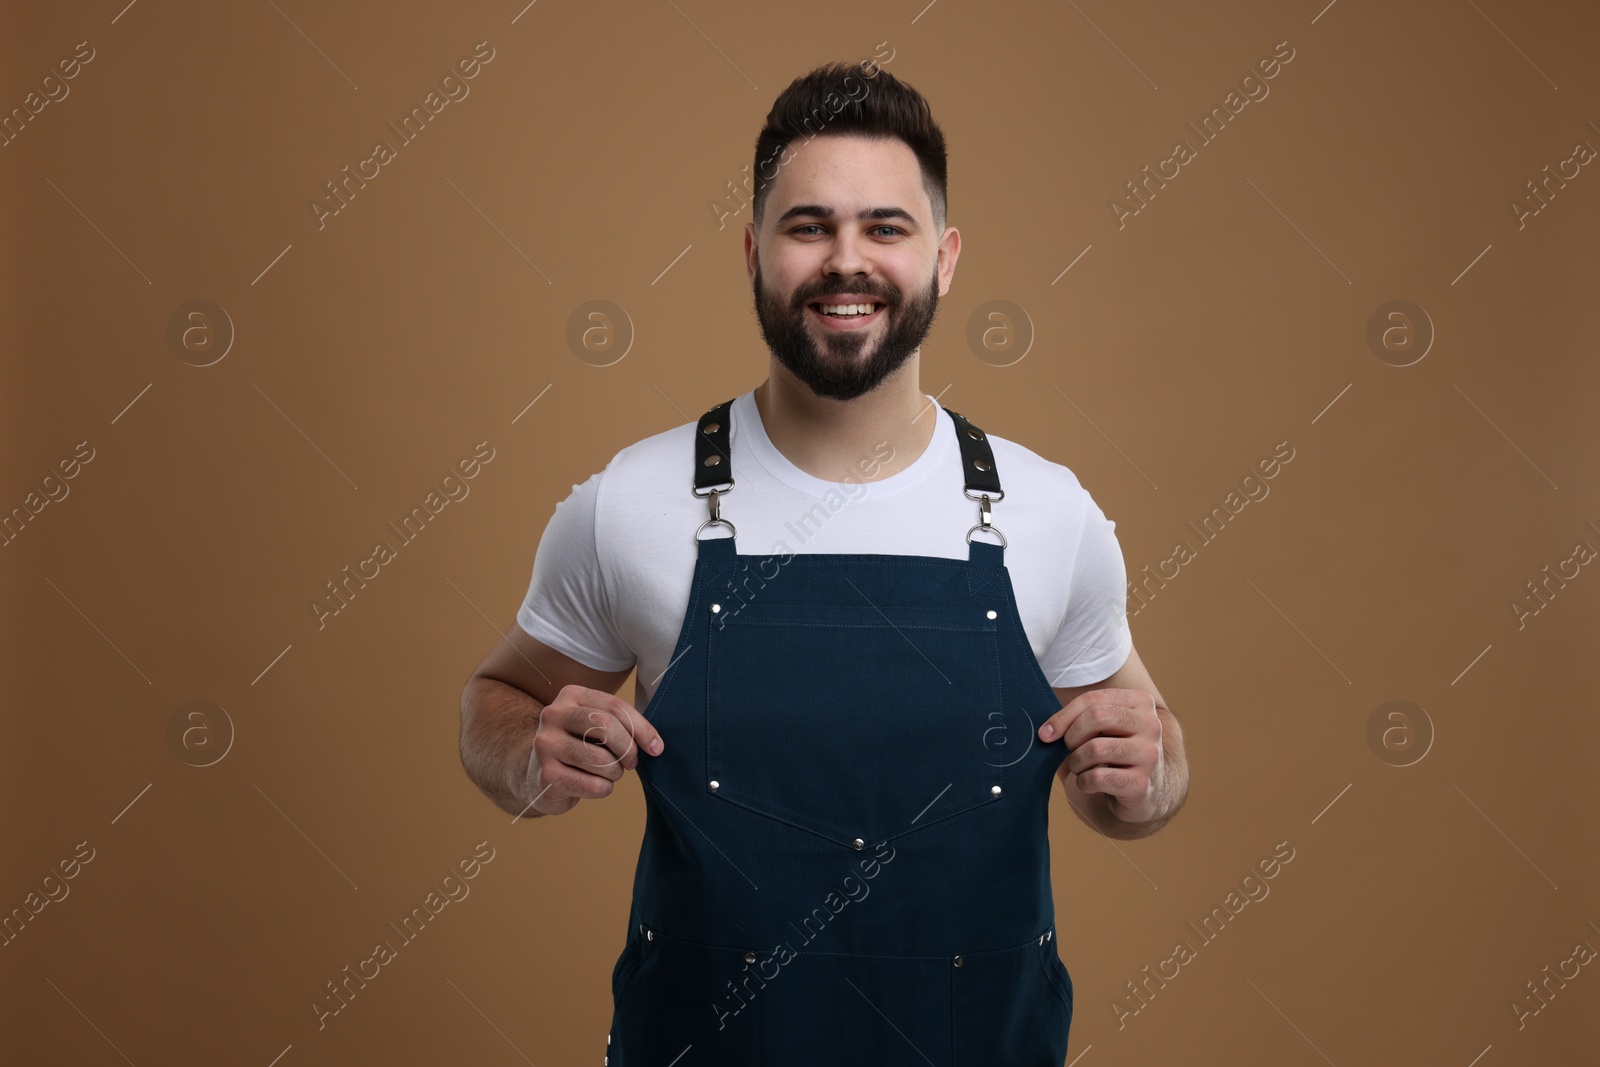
(847,309)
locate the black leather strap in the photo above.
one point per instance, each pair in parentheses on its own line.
(977,458)
(713,465)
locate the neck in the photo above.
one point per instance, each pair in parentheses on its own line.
(831,439)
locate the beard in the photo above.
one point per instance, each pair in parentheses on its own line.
(840,373)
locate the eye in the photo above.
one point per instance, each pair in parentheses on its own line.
(894,231)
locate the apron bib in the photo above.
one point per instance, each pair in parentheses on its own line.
(845,858)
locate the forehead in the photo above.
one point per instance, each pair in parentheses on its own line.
(848,173)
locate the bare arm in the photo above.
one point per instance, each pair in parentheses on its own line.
(502,705)
(1167,785)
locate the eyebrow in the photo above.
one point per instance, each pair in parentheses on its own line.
(817,211)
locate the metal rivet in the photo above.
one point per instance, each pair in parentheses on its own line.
(712,461)
(649,935)
(957,961)
(749,957)
(981,464)
(858,844)
(715,785)
(715,608)
(1048,934)
(994,790)
(713,427)
(994,614)
(972,432)
(608,1039)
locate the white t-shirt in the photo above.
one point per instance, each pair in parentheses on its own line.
(612,573)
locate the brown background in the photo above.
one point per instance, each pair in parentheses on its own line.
(371,354)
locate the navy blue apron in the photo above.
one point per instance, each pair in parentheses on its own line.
(845,858)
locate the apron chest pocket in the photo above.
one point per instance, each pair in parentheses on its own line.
(857,723)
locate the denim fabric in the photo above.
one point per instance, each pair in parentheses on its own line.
(853,889)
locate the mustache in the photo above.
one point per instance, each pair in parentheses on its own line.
(892,300)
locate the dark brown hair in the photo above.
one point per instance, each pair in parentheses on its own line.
(838,98)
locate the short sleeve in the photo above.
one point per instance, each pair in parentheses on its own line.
(1094,640)
(566,605)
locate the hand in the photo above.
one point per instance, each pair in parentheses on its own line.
(1115,738)
(585,740)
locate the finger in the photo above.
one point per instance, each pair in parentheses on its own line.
(1107,715)
(611,723)
(1059,724)
(1102,752)
(644,736)
(553,784)
(574,777)
(600,743)
(587,757)
(1119,782)
(1056,725)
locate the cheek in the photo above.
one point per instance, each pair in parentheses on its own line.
(780,274)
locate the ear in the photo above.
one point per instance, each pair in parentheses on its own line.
(752,251)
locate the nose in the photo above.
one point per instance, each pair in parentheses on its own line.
(847,255)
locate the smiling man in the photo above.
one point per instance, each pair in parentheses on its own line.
(847,744)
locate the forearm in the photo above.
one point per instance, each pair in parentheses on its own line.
(498,722)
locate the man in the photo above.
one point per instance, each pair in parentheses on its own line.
(847,744)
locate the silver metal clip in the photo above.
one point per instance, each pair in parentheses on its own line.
(983,521)
(714,502)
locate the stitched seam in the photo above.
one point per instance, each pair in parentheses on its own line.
(672,673)
(933,822)
(1019,634)
(999,680)
(712,578)
(1053,979)
(749,806)
(660,934)
(863,625)
(841,558)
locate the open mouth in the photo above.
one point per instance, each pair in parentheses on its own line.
(847,315)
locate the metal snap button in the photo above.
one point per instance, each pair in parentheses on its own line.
(957,961)
(715,608)
(715,785)
(858,844)
(749,957)
(994,614)
(1048,934)
(649,935)
(994,790)
(1041,939)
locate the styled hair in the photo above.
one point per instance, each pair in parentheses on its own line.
(836,98)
